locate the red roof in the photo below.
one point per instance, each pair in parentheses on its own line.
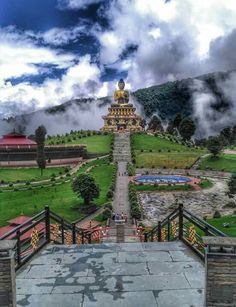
(3,230)
(19,220)
(16,139)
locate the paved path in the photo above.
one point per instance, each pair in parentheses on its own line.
(90,217)
(230,151)
(113,275)
(121,199)
(122,156)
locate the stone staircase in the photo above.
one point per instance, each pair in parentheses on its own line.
(121,150)
(118,233)
(115,275)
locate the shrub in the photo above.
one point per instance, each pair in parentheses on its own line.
(106,213)
(108,205)
(109,194)
(216,214)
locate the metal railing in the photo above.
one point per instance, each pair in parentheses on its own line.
(181,224)
(41,229)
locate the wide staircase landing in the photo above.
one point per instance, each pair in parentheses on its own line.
(113,275)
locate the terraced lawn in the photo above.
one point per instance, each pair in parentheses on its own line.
(95,143)
(225,162)
(28,174)
(155,152)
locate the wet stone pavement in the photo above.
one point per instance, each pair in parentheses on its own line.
(124,274)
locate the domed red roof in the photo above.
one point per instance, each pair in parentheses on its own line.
(16,139)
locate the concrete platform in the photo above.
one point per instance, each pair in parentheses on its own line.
(113,274)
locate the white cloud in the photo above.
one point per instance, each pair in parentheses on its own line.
(76,4)
(61,36)
(172,39)
(80,80)
(20,55)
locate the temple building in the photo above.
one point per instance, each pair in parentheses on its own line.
(16,147)
(121,114)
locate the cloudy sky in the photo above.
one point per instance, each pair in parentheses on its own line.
(55,50)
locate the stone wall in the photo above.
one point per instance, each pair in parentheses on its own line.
(52,152)
(220,264)
(7,274)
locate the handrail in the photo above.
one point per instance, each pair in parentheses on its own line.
(22,225)
(205,223)
(30,242)
(183,230)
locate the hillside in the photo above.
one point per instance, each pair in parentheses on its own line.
(171,98)
(166,100)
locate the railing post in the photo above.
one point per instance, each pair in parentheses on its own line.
(47,224)
(206,231)
(18,247)
(181,219)
(82,237)
(73,233)
(145,237)
(159,231)
(7,273)
(62,232)
(168,229)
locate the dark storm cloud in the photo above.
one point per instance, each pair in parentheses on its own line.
(222,53)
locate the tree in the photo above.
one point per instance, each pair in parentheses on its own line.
(232,184)
(233,136)
(177,120)
(40,134)
(155,124)
(85,186)
(226,135)
(143,123)
(214,145)
(187,128)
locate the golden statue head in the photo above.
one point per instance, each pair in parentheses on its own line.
(121,84)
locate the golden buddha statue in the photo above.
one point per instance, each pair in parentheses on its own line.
(121,96)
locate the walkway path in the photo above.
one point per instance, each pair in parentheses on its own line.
(230,151)
(122,155)
(121,199)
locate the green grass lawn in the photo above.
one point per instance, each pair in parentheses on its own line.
(61,199)
(166,159)
(224,162)
(218,223)
(146,187)
(27,174)
(94,143)
(151,151)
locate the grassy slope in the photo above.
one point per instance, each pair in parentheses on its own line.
(94,143)
(218,223)
(224,162)
(180,156)
(61,199)
(14,174)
